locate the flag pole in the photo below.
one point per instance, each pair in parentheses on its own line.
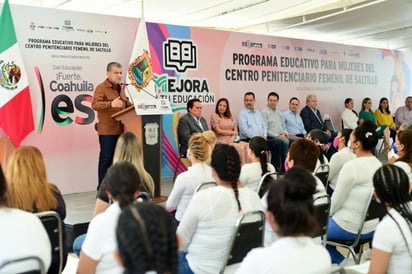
(142,8)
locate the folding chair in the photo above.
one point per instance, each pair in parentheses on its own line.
(264,185)
(248,234)
(373,210)
(329,125)
(205,185)
(179,161)
(23,264)
(53,225)
(322,172)
(322,209)
(143,197)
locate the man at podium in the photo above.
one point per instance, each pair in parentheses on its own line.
(109,98)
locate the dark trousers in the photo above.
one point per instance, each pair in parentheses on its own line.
(107,145)
(278,147)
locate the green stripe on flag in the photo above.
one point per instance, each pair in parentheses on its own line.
(8,35)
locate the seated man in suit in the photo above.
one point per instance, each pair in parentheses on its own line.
(190,123)
(312,119)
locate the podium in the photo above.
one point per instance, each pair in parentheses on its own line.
(148,128)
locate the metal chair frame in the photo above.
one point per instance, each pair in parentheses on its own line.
(40,269)
(204,185)
(261,186)
(246,236)
(323,174)
(53,225)
(322,215)
(373,210)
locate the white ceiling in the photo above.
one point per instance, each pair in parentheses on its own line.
(371,23)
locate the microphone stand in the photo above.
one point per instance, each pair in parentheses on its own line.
(147,92)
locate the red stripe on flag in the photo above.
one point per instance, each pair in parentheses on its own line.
(16,117)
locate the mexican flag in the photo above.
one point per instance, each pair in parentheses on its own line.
(16,116)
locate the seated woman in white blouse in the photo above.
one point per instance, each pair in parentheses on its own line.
(403,144)
(291,215)
(22,235)
(392,242)
(199,150)
(252,172)
(353,189)
(349,116)
(338,159)
(207,225)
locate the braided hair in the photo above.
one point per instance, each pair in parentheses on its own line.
(391,185)
(146,239)
(122,181)
(226,163)
(259,146)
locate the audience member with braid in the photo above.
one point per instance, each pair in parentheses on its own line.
(206,228)
(122,183)
(291,214)
(146,240)
(252,172)
(392,241)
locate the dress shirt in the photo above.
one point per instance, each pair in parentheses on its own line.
(251,124)
(198,122)
(274,121)
(403,115)
(293,122)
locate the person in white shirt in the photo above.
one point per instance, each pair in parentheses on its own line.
(392,241)
(146,239)
(199,152)
(403,143)
(21,234)
(302,153)
(291,215)
(97,252)
(251,173)
(353,189)
(305,153)
(349,117)
(207,225)
(338,159)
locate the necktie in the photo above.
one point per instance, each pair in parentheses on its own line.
(200,124)
(317,114)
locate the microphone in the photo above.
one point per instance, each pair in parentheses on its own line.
(124,84)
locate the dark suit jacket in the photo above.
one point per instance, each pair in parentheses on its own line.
(186,127)
(310,121)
